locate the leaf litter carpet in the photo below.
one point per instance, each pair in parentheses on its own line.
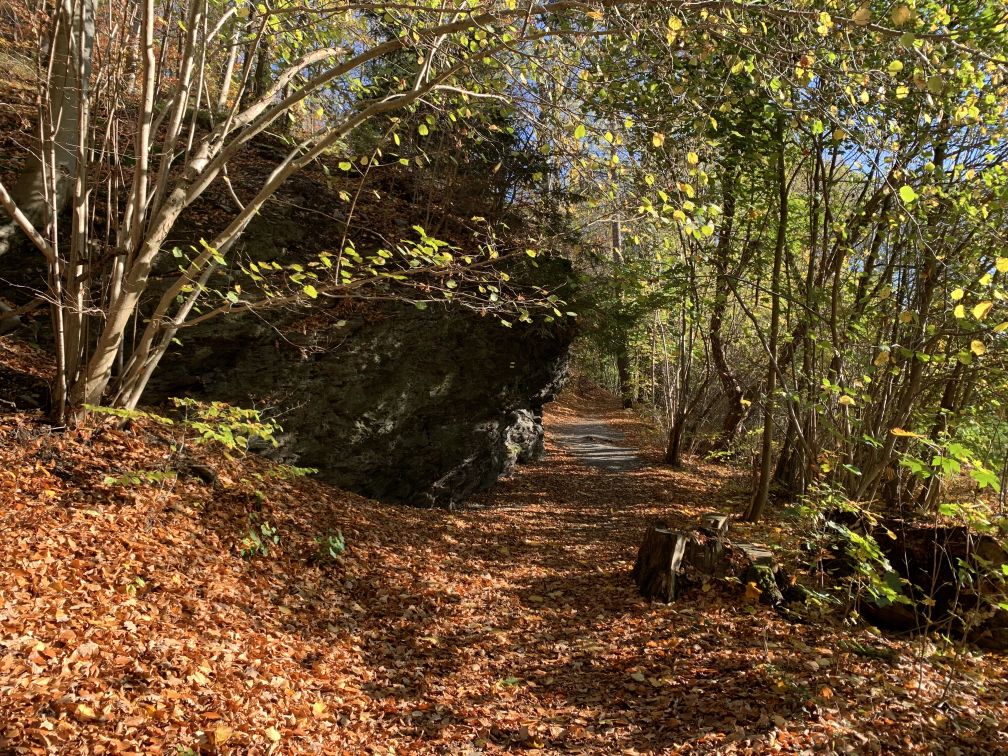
(130,624)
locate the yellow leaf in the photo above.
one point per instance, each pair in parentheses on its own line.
(977,347)
(222,734)
(905,433)
(882,359)
(958,294)
(273,734)
(847,401)
(901,14)
(692,158)
(862,16)
(906,316)
(960,311)
(318,708)
(980,311)
(752,592)
(657,139)
(85,712)
(1001,327)
(1002,265)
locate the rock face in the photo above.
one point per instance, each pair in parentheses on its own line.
(422,407)
(419,406)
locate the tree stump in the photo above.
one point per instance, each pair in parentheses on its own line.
(658,562)
(705,550)
(669,559)
(766,574)
(717,524)
(758,555)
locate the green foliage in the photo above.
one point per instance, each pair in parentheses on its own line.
(330,546)
(420,269)
(875,574)
(140,477)
(258,540)
(290,472)
(232,427)
(128,414)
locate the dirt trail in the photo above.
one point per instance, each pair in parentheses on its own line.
(595,443)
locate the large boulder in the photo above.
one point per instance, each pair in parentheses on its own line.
(418,406)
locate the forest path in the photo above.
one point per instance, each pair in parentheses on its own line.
(511,624)
(593,442)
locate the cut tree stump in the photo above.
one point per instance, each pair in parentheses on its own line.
(764,572)
(669,559)
(705,550)
(658,562)
(717,524)
(758,555)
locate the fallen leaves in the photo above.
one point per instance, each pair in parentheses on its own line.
(753,592)
(221,735)
(85,713)
(128,623)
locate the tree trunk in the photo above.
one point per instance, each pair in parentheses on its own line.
(730,387)
(623,371)
(677,424)
(46,183)
(788,473)
(673,450)
(760,496)
(625,377)
(228,72)
(261,80)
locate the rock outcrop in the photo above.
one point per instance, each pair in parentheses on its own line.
(418,406)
